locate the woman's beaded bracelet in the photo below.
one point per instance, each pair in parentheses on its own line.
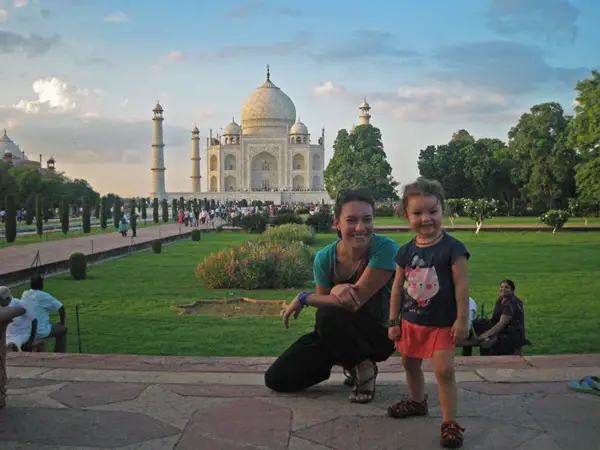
(303,298)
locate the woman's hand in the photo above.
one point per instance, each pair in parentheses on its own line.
(460,330)
(293,308)
(395,333)
(346,296)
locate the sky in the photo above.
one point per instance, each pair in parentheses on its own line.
(80,77)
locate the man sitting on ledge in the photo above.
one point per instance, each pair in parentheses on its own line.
(20,333)
(42,304)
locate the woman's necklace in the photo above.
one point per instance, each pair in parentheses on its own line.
(429,242)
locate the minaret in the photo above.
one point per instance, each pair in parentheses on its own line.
(158,154)
(196,177)
(365,117)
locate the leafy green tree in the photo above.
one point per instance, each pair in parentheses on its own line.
(85,216)
(30,209)
(584,129)
(555,218)
(97,211)
(155,210)
(8,183)
(39,214)
(453,207)
(117,212)
(165,210)
(174,208)
(29,179)
(104,212)
(133,217)
(144,211)
(588,180)
(359,160)
(545,161)
(10,221)
(582,208)
(480,210)
(64,214)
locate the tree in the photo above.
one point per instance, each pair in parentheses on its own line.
(359,160)
(545,161)
(165,210)
(8,183)
(132,217)
(582,208)
(29,179)
(103,213)
(480,210)
(85,216)
(555,218)
(453,207)
(39,214)
(64,214)
(181,203)
(97,211)
(144,211)
(174,208)
(584,129)
(588,180)
(155,210)
(30,209)
(117,212)
(10,221)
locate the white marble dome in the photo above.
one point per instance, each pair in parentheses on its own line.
(268,106)
(232,129)
(299,128)
(8,146)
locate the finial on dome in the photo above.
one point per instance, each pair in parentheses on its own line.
(268,73)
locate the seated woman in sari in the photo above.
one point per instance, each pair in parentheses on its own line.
(507,325)
(353,277)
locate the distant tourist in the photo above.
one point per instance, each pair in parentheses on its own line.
(42,304)
(431,292)
(353,279)
(20,333)
(123,226)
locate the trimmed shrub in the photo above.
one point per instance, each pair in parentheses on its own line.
(302,210)
(103,213)
(85,222)
(156,246)
(64,215)
(155,210)
(321,221)
(282,219)
(196,235)
(384,211)
(117,212)
(132,216)
(30,209)
(254,223)
(259,264)
(555,218)
(39,214)
(144,211)
(78,266)
(291,233)
(165,210)
(10,221)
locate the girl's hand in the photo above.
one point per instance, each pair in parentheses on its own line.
(460,330)
(394,333)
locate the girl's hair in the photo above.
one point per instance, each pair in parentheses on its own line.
(423,188)
(352,195)
(511,283)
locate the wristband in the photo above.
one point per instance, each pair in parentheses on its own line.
(394,322)
(303,297)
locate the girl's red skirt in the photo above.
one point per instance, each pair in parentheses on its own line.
(420,342)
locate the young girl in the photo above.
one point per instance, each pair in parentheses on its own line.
(431,290)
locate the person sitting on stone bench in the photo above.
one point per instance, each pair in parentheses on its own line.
(506,333)
(20,333)
(42,304)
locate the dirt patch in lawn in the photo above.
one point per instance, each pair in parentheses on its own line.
(234,307)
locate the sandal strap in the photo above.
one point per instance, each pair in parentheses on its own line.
(409,407)
(452,430)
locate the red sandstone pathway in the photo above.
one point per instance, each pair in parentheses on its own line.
(21,256)
(77,401)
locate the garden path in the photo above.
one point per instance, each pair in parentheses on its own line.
(70,401)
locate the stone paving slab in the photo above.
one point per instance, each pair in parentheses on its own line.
(213,412)
(20,257)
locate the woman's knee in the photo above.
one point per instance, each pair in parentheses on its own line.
(275,379)
(330,318)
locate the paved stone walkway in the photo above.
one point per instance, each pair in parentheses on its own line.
(21,256)
(136,402)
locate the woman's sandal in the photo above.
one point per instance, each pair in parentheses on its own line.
(359,390)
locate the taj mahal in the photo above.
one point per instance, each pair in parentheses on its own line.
(268,157)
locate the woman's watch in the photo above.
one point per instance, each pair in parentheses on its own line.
(394,322)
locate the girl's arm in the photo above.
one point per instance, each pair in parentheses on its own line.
(460,276)
(397,296)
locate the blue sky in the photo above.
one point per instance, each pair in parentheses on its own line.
(80,77)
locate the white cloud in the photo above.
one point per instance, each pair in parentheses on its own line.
(53,95)
(20,3)
(176,56)
(116,17)
(3,15)
(437,102)
(124,102)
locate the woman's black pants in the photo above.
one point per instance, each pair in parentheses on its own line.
(341,338)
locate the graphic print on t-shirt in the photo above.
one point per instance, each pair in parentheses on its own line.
(422,283)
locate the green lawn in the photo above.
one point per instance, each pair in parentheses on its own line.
(496,221)
(58,235)
(125,304)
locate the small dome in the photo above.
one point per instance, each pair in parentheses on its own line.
(232,129)
(195,130)
(299,128)
(51,160)
(7,145)
(364,105)
(158,108)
